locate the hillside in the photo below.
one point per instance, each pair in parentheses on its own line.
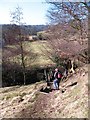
(35,53)
(71,101)
(30,29)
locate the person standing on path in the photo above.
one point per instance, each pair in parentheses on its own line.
(57,78)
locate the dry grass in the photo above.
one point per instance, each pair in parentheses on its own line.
(73,103)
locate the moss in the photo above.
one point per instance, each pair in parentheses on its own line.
(75,91)
(34,97)
(8,96)
(85,113)
(37,94)
(23,94)
(56,95)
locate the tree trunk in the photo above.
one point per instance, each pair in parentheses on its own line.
(72,68)
(23,62)
(24,77)
(45,73)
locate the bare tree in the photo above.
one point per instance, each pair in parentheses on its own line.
(68,22)
(64,12)
(17,20)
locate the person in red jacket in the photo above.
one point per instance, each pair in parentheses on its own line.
(57,78)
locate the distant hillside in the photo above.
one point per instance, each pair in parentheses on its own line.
(30,29)
(33,29)
(10,32)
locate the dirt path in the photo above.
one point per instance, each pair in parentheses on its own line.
(40,108)
(71,103)
(56,104)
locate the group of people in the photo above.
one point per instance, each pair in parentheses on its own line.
(57,76)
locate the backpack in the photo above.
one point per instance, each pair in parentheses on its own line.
(59,75)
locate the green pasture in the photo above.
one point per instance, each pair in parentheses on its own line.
(36,54)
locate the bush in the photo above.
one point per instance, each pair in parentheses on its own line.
(13,75)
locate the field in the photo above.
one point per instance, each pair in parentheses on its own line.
(36,54)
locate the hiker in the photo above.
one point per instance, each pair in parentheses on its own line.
(65,74)
(57,78)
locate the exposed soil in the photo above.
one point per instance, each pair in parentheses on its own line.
(70,101)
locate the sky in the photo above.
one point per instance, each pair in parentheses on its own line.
(34,11)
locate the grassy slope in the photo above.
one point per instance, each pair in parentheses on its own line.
(28,101)
(35,53)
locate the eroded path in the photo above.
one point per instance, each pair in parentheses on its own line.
(73,103)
